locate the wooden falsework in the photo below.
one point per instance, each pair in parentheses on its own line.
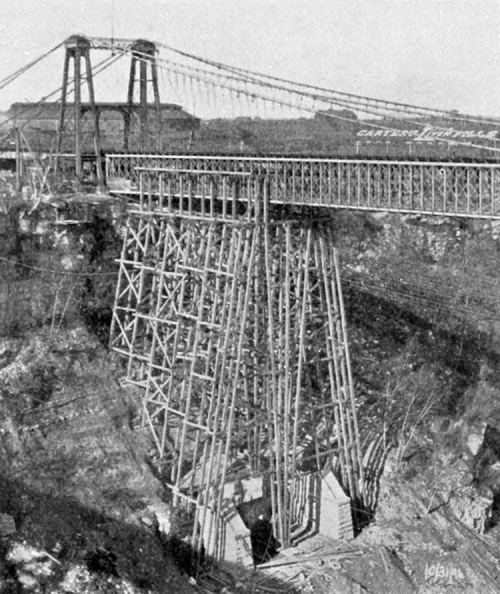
(231,321)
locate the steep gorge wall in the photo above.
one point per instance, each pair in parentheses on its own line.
(57,265)
(423,301)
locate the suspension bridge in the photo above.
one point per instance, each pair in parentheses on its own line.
(229,312)
(467,185)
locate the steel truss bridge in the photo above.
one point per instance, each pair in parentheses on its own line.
(427,188)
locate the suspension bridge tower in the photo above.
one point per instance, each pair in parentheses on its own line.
(78,49)
(143,59)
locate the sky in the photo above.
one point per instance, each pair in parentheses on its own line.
(438,53)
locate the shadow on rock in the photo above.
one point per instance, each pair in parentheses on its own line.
(66,534)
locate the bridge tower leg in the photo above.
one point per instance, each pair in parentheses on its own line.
(78,48)
(143,54)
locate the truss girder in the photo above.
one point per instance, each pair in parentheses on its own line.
(440,188)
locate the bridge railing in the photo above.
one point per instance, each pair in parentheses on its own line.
(438,188)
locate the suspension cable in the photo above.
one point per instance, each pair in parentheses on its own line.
(11,77)
(187,72)
(244,82)
(389,104)
(96,70)
(321,98)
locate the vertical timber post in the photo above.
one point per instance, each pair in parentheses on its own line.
(144,53)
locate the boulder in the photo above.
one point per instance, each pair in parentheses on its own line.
(33,566)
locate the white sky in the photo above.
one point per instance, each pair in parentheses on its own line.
(440,53)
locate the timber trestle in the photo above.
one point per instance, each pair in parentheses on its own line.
(229,315)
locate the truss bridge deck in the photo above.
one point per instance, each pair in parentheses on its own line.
(428,188)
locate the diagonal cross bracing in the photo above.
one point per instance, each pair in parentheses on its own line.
(230,318)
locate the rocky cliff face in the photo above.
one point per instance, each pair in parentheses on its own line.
(73,478)
(424,305)
(424,310)
(57,264)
